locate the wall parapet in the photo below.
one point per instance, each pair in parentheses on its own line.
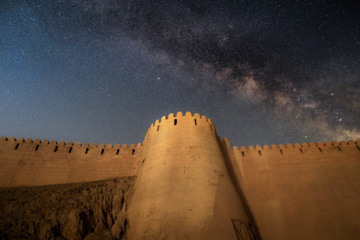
(297,145)
(53,146)
(304,148)
(178,120)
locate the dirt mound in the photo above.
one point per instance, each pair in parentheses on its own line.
(91,210)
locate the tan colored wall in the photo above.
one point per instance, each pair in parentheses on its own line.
(191,184)
(184,190)
(36,163)
(302,192)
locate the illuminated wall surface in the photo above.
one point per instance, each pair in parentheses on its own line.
(191,185)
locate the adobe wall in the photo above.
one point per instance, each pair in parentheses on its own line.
(34,163)
(308,191)
(184,189)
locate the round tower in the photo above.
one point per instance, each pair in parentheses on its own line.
(184,189)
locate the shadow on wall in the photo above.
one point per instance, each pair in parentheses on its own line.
(244,230)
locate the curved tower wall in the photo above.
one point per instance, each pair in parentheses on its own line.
(184,190)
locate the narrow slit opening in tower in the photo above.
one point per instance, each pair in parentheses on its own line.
(17,146)
(158,127)
(86,151)
(281,151)
(117,152)
(175,122)
(195,122)
(358,148)
(339,148)
(259,153)
(242,153)
(70,149)
(320,149)
(301,150)
(133,151)
(37,147)
(56,148)
(102,151)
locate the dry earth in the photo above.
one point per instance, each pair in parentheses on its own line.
(91,210)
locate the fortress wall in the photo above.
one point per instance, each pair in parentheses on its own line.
(191,185)
(183,190)
(307,191)
(42,162)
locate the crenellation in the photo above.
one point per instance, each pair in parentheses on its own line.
(297,148)
(343,143)
(12,139)
(3,139)
(242,148)
(197,116)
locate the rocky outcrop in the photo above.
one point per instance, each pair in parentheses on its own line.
(92,210)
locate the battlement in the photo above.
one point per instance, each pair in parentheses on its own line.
(303,148)
(54,147)
(181,120)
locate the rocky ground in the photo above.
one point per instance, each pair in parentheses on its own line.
(92,210)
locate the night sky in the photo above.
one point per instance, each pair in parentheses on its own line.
(266,72)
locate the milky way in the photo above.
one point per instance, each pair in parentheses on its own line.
(103,71)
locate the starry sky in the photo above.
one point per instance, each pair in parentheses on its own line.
(266,72)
